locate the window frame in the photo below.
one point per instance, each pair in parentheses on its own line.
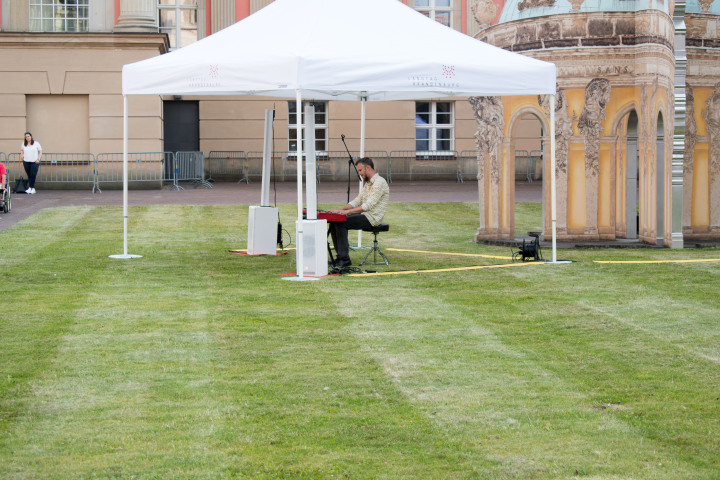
(55,6)
(178,8)
(292,112)
(432,9)
(432,127)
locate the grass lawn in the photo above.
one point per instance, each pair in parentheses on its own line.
(195,363)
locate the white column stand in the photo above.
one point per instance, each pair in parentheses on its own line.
(299,223)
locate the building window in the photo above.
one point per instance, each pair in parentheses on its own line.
(433,126)
(440,10)
(321,125)
(59,16)
(179,19)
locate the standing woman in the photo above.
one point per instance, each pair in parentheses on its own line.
(31,153)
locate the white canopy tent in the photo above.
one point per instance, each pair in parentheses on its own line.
(351,50)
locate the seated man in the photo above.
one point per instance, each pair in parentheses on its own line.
(365,211)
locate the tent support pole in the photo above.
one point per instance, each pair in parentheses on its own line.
(553,191)
(299,158)
(363,103)
(125,183)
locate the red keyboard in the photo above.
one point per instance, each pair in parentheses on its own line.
(330,217)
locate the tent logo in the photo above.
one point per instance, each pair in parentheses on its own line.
(205,78)
(445,79)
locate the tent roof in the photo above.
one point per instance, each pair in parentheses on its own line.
(339,50)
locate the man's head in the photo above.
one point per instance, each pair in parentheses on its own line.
(366,168)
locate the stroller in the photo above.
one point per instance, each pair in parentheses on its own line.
(5,203)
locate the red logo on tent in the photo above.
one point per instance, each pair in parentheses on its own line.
(448,71)
(214,71)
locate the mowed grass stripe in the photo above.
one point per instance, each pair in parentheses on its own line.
(47,275)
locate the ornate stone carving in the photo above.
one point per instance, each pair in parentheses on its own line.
(711,113)
(528,4)
(563,132)
(712,118)
(648,143)
(705,5)
(690,131)
(597,95)
(576,4)
(563,127)
(484,12)
(489,135)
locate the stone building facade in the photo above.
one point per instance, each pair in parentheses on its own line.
(614,118)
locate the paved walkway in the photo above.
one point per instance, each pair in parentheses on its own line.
(230,193)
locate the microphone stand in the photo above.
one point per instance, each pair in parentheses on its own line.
(350,162)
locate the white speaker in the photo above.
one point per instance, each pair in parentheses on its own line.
(262,230)
(314,248)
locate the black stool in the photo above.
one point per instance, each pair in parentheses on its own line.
(375,248)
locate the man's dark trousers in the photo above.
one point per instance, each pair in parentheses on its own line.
(339,233)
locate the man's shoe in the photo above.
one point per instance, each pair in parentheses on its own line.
(343,263)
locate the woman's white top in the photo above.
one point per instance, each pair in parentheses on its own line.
(31,153)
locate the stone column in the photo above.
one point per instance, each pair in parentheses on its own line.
(489,140)
(137,16)
(563,133)
(678,154)
(711,114)
(590,125)
(223,14)
(688,157)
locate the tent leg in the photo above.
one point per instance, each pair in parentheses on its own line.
(363,102)
(553,191)
(125,183)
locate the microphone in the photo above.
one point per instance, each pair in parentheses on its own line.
(342,136)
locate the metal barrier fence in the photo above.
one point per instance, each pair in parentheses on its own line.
(536,157)
(412,165)
(280,166)
(187,167)
(228,164)
(173,168)
(59,167)
(283,166)
(468,165)
(528,165)
(323,167)
(335,164)
(142,167)
(331,165)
